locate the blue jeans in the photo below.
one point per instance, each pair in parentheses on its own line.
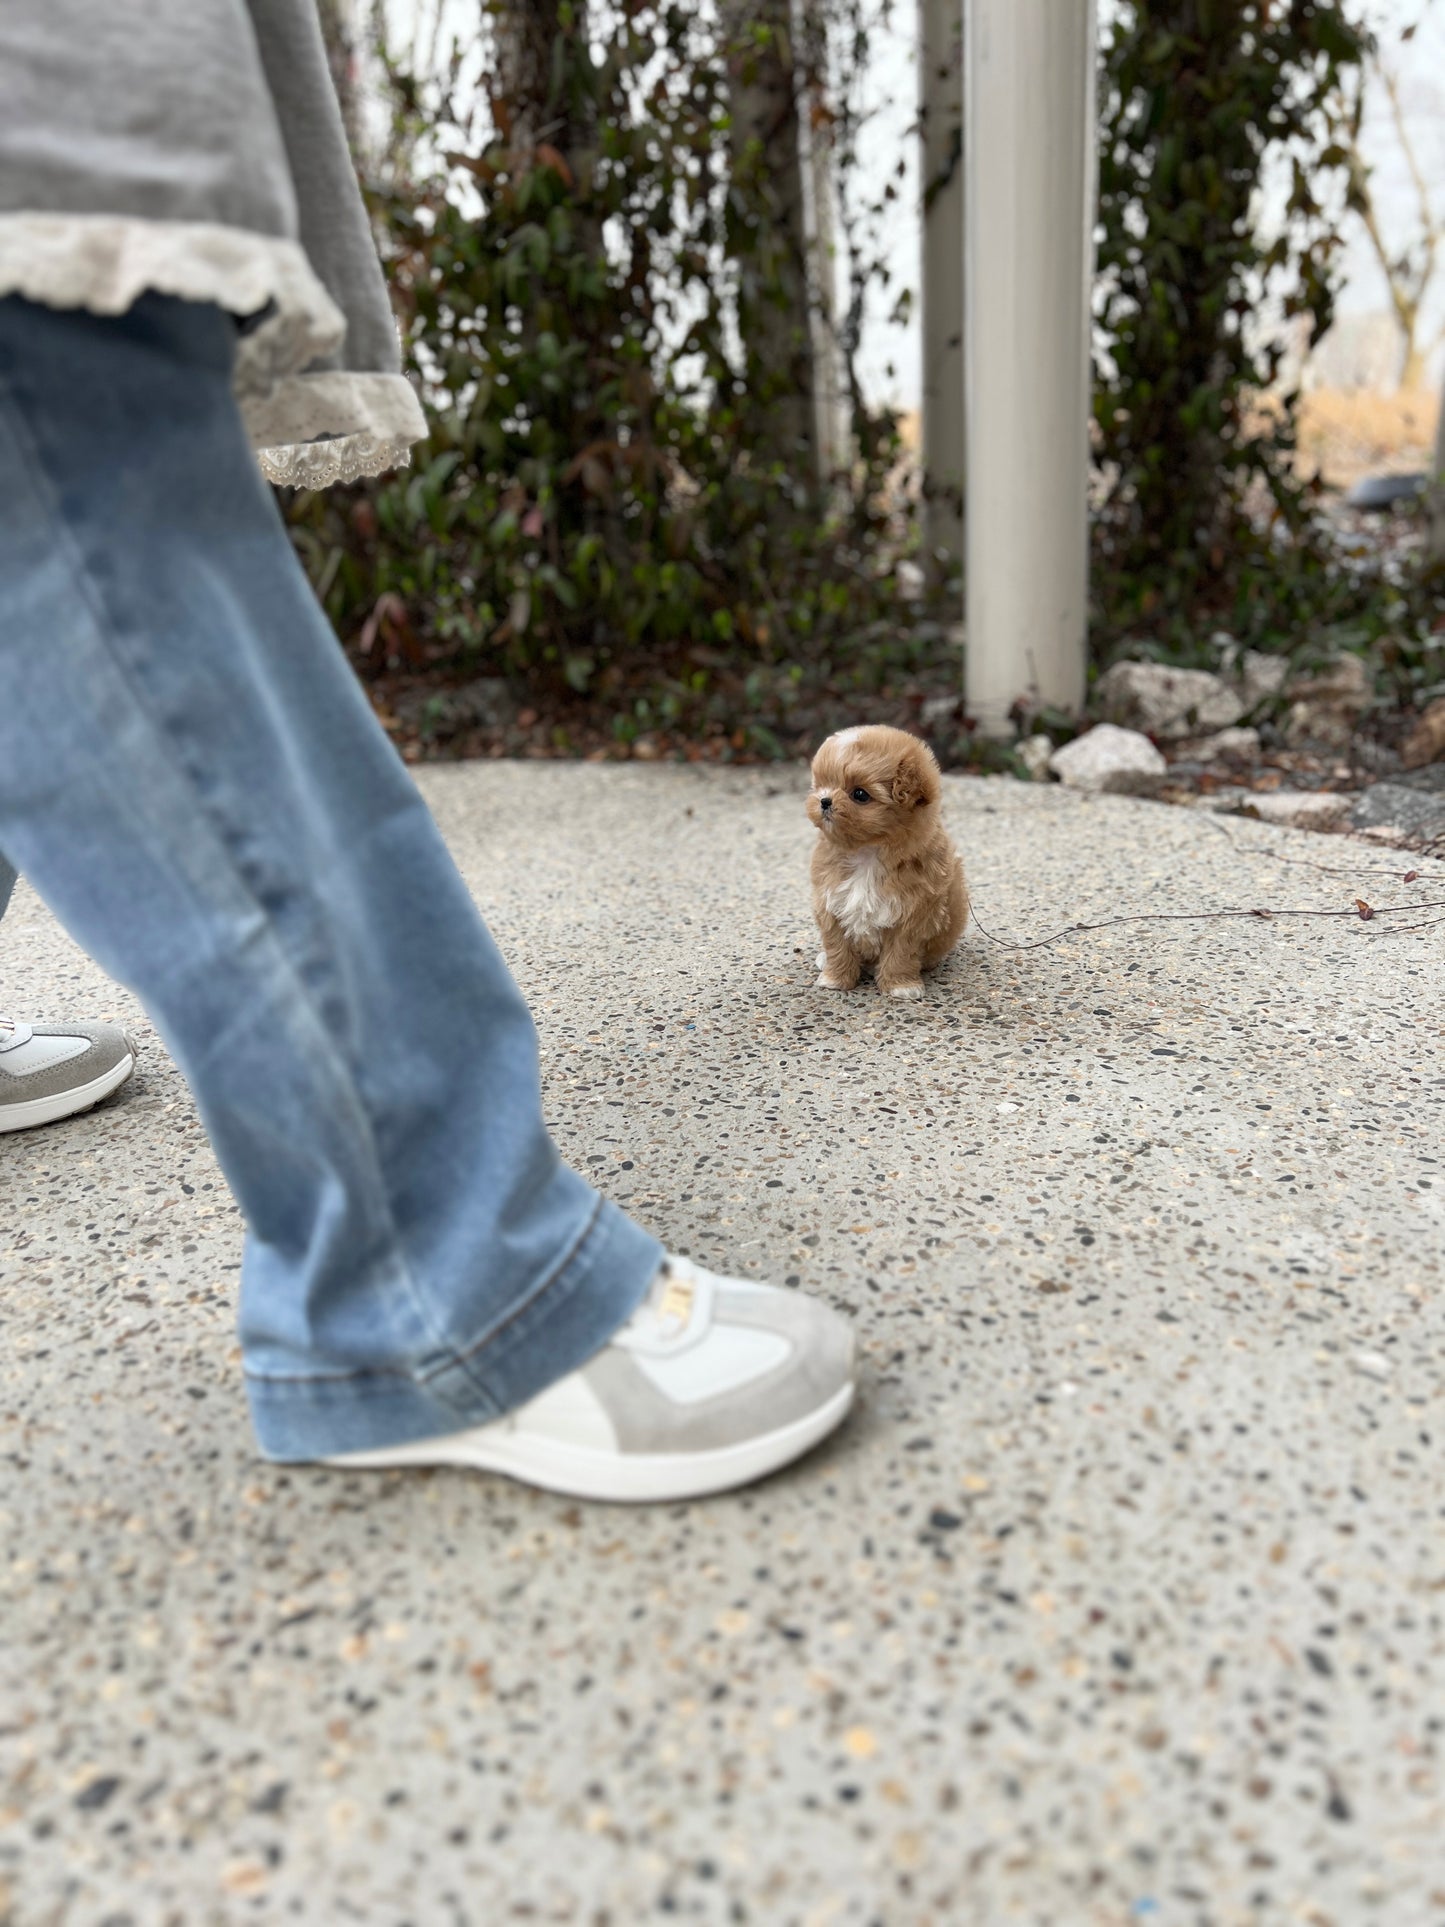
(192,780)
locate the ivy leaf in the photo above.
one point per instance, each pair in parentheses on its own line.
(548,156)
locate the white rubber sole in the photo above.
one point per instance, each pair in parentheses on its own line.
(49,1110)
(618,1478)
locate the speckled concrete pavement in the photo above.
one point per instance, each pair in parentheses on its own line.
(1122,1598)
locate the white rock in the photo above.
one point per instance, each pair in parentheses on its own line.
(1107,758)
(1224,801)
(1371,1364)
(1229,800)
(1261,675)
(1343,679)
(1229,742)
(1166,702)
(1328,702)
(1301,809)
(1034,753)
(937,709)
(1322,723)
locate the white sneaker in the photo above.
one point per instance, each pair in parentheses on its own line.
(50,1071)
(711,1383)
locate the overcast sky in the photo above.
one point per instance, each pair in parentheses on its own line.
(1420,66)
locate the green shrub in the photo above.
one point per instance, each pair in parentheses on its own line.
(1204,520)
(590,500)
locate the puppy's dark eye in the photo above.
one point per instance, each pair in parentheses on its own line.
(860,796)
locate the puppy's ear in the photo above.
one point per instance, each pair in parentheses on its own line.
(915,781)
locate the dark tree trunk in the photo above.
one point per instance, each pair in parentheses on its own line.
(770,236)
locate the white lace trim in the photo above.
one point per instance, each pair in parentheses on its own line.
(346,458)
(334,426)
(105,262)
(309,430)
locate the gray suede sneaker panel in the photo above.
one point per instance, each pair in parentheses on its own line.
(107,1047)
(819,1364)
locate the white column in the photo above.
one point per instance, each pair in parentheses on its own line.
(1029,199)
(940,97)
(1435,545)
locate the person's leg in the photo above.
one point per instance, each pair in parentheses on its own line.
(8,879)
(192,780)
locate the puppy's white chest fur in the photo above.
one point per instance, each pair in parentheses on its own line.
(860,902)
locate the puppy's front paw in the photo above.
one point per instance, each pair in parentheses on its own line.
(826,982)
(905,990)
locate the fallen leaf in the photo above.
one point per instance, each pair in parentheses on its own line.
(548,156)
(390,620)
(1364,909)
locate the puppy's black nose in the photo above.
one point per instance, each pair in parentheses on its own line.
(825,804)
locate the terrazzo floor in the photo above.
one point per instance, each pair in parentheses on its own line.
(1121,1598)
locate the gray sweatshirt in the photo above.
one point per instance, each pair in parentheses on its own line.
(195,148)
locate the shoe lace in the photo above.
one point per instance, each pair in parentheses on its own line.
(674,1304)
(667,1308)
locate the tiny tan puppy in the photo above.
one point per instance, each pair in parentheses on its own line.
(888,886)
